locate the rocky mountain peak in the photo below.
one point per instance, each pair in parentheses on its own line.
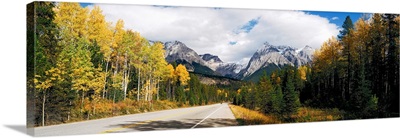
(278,56)
(211,58)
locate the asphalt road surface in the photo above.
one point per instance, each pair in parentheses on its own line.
(217,115)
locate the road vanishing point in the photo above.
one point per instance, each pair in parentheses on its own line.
(216,115)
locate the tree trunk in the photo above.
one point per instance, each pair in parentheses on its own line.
(138,88)
(83,96)
(126,75)
(105,78)
(143,87)
(115,74)
(126,83)
(349,73)
(69,112)
(43,104)
(147,92)
(169,89)
(123,83)
(173,93)
(150,87)
(114,97)
(158,89)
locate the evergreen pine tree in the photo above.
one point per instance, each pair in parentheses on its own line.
(345,37)
(277,100)
(392,61)
(290,95)
(266,95)
(346,27)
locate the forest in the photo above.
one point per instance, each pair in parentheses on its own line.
(81,67)
(356,72)
(85,68)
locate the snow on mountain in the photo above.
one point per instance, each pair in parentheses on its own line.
(278,55)
(263,57)
(229,69)
(306,53)
(212,61)
(176,50)
(217,65)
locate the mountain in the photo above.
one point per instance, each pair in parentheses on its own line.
(306,52)
(216,80)
(229,69)
(178,52)
(211,58)
(268,58)
(271,57)
(222,68)
(212,61)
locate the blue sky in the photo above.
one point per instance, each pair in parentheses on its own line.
(250,25)
(337,17)
(85,4)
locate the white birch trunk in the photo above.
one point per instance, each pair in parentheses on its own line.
(43,105)
(105,78)
(126,82)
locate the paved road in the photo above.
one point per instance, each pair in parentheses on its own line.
(217,115)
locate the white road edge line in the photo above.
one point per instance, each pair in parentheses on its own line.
(206,118)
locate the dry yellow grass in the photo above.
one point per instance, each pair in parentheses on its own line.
(304,114)
(249,117)
(307,114)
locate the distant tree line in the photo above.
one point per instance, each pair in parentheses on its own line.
(276,94)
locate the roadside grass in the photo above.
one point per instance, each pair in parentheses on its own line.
(308,114)
(246,116)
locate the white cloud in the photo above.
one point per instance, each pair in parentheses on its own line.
(208,30)
(334,18)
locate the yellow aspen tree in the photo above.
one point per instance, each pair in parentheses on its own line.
(105,48)
(43,83)
(130,49)
(74,59)
(136,54)
(116,56)
(171,79)
(97,86)
(182,74)
(159,65)
(82,70)
(146,69)
(71,19)
(100,34)
(303,72)
(97,27)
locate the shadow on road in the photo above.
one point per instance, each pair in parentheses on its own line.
(178,124)
(19,128)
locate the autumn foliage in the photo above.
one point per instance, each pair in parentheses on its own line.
(86,67)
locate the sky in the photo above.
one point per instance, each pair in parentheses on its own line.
(231,34)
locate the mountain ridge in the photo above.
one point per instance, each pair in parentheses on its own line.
(277,55)
(267,55)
